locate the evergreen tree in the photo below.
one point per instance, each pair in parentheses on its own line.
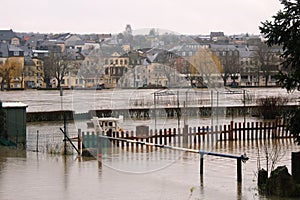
(284,30)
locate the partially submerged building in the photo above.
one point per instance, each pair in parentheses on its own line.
(13,124)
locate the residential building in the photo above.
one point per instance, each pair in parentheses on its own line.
(115,67)
(229,58)
(33,73)
(9,37)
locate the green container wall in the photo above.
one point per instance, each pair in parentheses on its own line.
(15,124)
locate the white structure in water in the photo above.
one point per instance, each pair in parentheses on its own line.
(105,124)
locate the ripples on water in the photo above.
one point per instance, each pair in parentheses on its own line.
(161,174)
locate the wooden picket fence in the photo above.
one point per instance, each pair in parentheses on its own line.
(192,137)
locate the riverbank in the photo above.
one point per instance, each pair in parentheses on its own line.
(141,103)
(147,113)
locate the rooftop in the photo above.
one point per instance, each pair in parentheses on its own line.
(12,104)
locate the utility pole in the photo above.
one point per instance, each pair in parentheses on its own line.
(65,123)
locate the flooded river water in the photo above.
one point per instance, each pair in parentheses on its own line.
(81,101)
(158,174)
(161,174)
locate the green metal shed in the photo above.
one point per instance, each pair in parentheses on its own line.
(13,124)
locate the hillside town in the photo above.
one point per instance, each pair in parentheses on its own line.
(128,60)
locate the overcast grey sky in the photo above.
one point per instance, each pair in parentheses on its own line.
(111,16)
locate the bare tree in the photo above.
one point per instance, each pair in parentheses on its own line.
(55,66)
(271,154)
(271,107)
(205,66)
(267,60)
(231,65)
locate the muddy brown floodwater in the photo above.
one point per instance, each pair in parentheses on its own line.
(160,174)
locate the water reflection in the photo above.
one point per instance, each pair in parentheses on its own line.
(32,175)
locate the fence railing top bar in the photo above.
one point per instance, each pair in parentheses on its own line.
(243,157)
(201,152)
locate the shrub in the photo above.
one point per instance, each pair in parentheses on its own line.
(271,107)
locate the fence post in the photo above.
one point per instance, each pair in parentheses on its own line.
(185,136)
(132,144)
(256,131)
(190,137)
(99,152)
(223,132)
(269,130)
(88,139)
(252,130)
(296,166)
(174,137)
(240,131)
(231,131)
(165,136)
(195,137)
(235,131)
(244,131)
(149,139)
(122,136)
(274,129)
(155,137)
(248,130)
(37,141)
(126,143)
(265,130)
(170,135)
(79,141)
(199,135)
(239,170)
(201,163)
(179,137)
(160,136)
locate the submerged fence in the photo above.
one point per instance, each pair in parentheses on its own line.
(51,141)
(187,139)
(193,137)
